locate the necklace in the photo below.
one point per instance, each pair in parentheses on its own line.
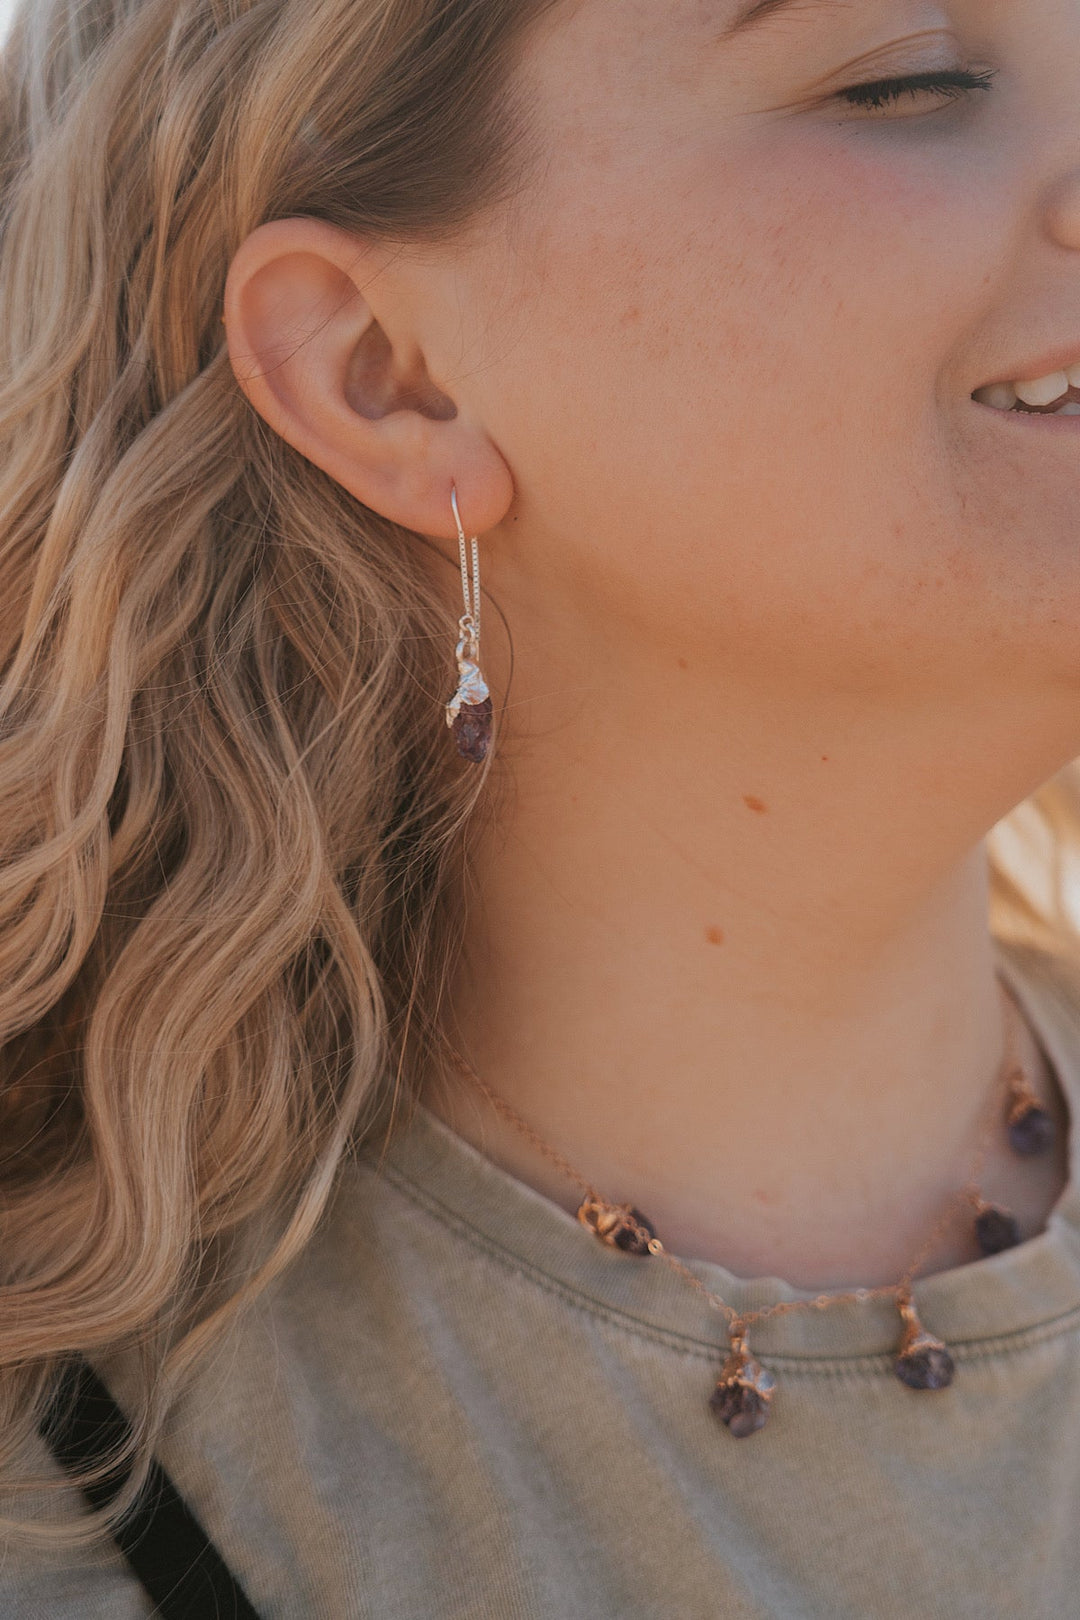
(744,1388)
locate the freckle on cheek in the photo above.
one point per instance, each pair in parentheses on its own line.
(682,663)
(714,935)
(753,803)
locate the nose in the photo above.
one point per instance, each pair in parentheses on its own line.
(1063,210)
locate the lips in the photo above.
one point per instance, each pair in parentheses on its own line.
(1063,358)
(1047,386)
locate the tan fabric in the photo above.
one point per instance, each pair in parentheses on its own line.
(460,1406)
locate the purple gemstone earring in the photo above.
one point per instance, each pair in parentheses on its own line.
(469,712)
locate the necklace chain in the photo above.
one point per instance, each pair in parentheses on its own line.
(1011,1075)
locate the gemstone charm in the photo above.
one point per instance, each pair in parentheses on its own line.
(469,712)
(996,1229)
(923,1361)
(1030,1127)
(743,1390)
(471,727)
(610,1224)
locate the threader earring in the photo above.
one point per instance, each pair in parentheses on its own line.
(469,712)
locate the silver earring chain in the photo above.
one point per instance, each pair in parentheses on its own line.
(470,621)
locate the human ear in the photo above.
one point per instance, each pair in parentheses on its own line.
(322,335)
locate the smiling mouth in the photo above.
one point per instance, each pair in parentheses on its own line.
(1067,405)
(1055,395)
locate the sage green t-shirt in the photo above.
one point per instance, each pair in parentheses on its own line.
(458,1405)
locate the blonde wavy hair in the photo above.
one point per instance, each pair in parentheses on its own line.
(232,832)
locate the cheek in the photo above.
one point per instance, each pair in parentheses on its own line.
(732,408)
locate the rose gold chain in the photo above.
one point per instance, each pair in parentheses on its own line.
(1010,1072)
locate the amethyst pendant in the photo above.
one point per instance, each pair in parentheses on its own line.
(610,1224)
(923,1362)
(1030,1128)
(996,1229)
(469,713)
(743,1391)
(471,727)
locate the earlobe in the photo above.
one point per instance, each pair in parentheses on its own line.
(322,345)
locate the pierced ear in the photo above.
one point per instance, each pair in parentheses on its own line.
(322,345)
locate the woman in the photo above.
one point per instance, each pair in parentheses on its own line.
(411,1128)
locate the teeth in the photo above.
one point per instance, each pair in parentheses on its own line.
(1072,408)
(1001,395)
(1038,391)
(1043,390)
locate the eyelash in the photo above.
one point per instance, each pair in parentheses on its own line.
(952,83)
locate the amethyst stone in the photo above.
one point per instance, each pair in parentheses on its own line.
(923,1362)
(929,1367)
(1032,1131)
(996,1229)
(624,1237)
(743,1390)
(472,729)
(740,1406)
(611,1223)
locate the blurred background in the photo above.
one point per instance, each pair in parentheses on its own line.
(6,8)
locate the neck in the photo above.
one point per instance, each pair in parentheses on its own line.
(755,997)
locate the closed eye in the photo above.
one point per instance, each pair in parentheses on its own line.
(950,83)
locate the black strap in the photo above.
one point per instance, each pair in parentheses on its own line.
(162,1540)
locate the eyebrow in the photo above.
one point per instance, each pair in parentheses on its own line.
(759,11)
